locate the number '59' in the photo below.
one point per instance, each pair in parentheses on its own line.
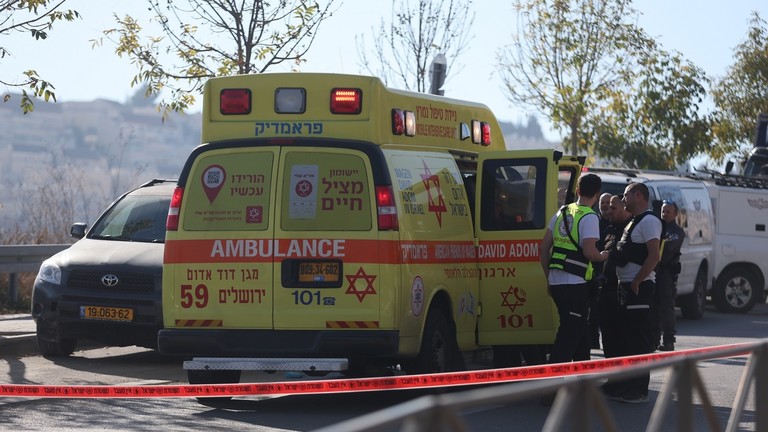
(198,298)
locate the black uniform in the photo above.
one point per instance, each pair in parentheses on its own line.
(666,286)
(635,309)
(608,303)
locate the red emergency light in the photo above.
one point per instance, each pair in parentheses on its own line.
(235,101)
(346,101)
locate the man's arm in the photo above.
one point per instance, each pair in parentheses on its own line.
(648,265)
(545,251)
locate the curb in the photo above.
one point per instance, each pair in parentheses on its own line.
(19,345)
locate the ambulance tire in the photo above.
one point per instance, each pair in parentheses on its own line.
(213,377)
(736,291)
(692,305)
(439,351)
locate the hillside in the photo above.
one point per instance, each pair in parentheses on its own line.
(66,161)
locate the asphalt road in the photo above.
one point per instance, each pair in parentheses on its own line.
(132,366)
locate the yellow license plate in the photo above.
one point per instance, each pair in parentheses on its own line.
(106,313)
(313,271)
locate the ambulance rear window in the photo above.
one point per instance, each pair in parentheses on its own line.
(325,191)
(517,198)
(229,190)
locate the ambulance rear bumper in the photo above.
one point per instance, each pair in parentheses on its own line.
(282,343)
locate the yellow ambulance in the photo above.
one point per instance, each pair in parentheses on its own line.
(331,223)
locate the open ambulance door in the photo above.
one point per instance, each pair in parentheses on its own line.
(517,193)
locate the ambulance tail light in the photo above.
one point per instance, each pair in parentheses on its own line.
(172,223)
(385,203)
(403,122)
(346,101)
(481,133)
(235,101)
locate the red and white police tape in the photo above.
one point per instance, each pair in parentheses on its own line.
(476,377)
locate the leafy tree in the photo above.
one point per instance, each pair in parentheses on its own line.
(405,47)
(37,18)
(201,39)
(566,56)
(617,93)
(655,122)
(742,94)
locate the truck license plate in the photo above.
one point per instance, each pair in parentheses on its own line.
(106,313)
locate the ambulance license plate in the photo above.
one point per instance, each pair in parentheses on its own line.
(318,271)
(106,313)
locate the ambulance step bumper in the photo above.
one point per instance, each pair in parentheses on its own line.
(260,364)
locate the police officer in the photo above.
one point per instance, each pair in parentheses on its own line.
(637,255)
(604,208)
(567,253)
(666,278)
(608,302)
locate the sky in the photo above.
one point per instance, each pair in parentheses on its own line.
(704,31)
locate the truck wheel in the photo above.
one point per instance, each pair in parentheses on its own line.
(692,305)
(213,377)
(439,351)
(57,347)
(736,291)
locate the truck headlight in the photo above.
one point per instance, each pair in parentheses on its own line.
(50,272)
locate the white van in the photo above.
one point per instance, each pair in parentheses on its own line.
(741,242)
(696,217)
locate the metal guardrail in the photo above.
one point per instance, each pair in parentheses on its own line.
(24,259)
(579,396)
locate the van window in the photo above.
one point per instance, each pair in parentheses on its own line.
(229,191)
(513,195)
(325,191)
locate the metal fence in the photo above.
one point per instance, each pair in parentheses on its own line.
(24,259)
(581,396)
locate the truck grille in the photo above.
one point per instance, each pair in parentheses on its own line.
(126,281)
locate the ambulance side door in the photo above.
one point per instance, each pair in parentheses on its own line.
(517,194)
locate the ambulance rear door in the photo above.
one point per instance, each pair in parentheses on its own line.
(517,194)
(327,266)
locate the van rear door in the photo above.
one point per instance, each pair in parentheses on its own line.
(517,194)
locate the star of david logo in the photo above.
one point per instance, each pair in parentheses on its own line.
(519,298)
(352,279)
(436,203)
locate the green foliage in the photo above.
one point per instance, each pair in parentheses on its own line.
(594,74)
(205,39)
(653,123)
(742,94)
(37,18)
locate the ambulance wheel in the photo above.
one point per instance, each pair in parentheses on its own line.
(439,351)
(197,377)
(736,291)
(692,305)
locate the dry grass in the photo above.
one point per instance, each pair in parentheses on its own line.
(22,304)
